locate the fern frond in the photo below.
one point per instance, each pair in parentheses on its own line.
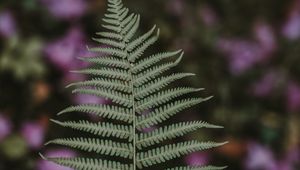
(199,168)
(116,97)
(126,21)
(105,111)
(138,52)
(140,40)
(170,132)
(147,62)
(111,35)
(115,10)
(168,152)
(114,2)
(111,20)
(131,29)
(158,84)
(163,97)
(123,13)
(89,164)
(105,83)
(113,28)
(110,51)
(135,84)
(111,16)
(105,147)
(106,61)
(100,129)
(105,72)
(110,42)
(163,113)
(155,71)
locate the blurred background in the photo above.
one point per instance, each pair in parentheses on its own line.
(245,53)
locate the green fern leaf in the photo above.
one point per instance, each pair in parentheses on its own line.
(104,83)
(135,84)
(147,62)
(158,84)
(135,54)
(110,51)
(151,73)
(139,41)
(105,72)
(170,132)
(110,42)
(163,97)
(115,36)
(106,147)
(164,112)
(162,154)
(106,111)
(106,61)
(117,97)
(101,129)
(89,164)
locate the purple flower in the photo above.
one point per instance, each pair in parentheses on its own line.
(293,155)
(291,159)
(293,97)
(241,54)
(208,16)
(33,133)
(176,7)
(291,28)
(47,165)
(259,157)
(265,36)
(64,52)
(7,24)
(266,84)
(197,159)
(5,127)
(66,9)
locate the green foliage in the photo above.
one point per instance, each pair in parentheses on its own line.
(22,58)
(135,85)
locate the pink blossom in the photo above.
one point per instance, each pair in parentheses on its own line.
(197,159)
(266,84)
(7,24)
(293,97)
(241,54)
(34,134)
(208,16)
(47,165)
(293,155)
(176,7)
(291,28)
(66,9)
(265,36)
(259,157)
(64,51)
(5,127)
